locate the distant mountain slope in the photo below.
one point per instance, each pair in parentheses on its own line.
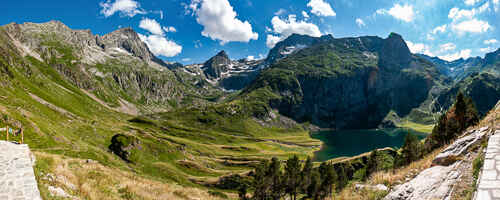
(457,69)
(348,82)
(117,69)
(482,85)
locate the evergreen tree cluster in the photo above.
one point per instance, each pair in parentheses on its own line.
(272,181)
(461,115)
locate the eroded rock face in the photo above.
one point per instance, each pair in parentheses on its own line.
(459,147)
(433,183)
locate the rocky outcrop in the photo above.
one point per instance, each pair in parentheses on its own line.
(432,183)
(121,145)
(448,167)
(460,147)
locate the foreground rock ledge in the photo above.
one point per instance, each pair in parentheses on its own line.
(17,179)
(437,181)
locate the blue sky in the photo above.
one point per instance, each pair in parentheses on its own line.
(191,31)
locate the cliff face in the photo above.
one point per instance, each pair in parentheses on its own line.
(349,83)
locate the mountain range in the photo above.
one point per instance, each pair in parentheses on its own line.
(77,94)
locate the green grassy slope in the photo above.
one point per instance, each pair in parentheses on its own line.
(183,147)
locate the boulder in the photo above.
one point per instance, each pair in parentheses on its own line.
(459,147)
(433,183)
(121,145)
(379,187)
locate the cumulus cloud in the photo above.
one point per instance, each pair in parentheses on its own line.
(402,12)
(151,25)
(471,26)
(491,41)
(128,8)
(170,29)
(280,11)
(282,28)
(439,29)
(486,50)
(321,8)
(360,22)
(419,48)
(471,2)
(304,13)
(219,21)
(462,54)
(448,47)
(156,40)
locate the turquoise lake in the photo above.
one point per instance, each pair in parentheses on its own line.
(354,142)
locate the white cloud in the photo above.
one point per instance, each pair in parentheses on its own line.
(219,22)
(151,25)
(360,22)
(462,54)
(496,4)
(448,47)
(471,26)
(457,14)
(321,8)
(186,59)
(272,40)
(170,29)
(127,8)
(439,29)
(161,46)
(156,41)
(471,2)
(304,13)
(254,58)
(404,13)
(280,11)
(419,48)
(487,49)
(491,41)
(287,27)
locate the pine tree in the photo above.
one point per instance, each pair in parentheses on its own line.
(260,183)
(292,177)
(276,179)
(328,181)
(305,175)
(411,150)
(313,187)
(242,192)
(372,163)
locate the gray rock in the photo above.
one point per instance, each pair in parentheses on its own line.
(459,147)
(433,183)
(58,192)
(380,187)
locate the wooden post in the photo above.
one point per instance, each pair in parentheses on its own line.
(22,136)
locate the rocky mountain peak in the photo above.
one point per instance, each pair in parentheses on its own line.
(395,53)
(217,65)
(492,57)
(222,54)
